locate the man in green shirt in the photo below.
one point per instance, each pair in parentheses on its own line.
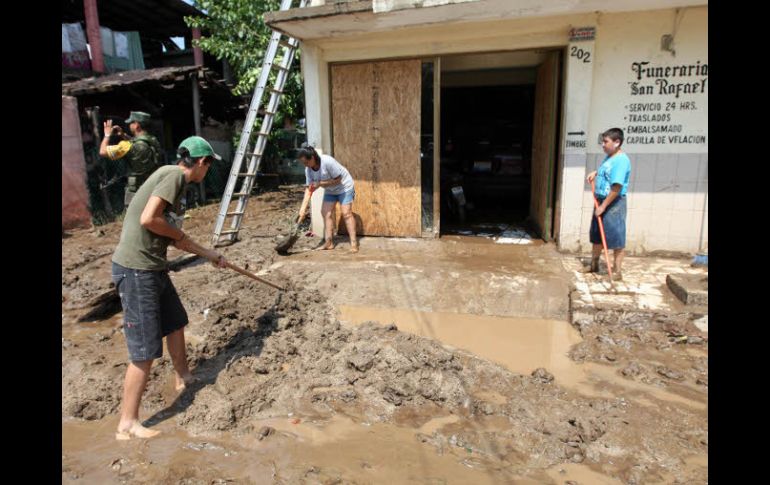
(142,152)
(152,308)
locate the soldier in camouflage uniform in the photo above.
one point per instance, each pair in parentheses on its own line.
(142,153)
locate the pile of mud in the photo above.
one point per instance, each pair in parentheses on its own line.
(262,354)
(259,353)
(663,350)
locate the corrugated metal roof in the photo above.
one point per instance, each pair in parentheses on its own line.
(100,84)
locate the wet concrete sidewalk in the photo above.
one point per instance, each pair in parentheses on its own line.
(643,286)
(455,274)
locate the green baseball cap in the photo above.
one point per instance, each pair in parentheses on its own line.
(139,116)
(198,147)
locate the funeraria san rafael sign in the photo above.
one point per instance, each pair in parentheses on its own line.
(663,85)
(667,87)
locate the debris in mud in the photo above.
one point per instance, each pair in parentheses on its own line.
(670,373)
(582,323)
(363,357)
(117,464)
(265,431)
(541,375)
(473,463)
(203,446)
(702,323)
(455,440)
(606,339)
(610,356)
(580,352)
(695,340)
(577,458)
(633,369)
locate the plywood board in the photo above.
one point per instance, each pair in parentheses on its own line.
(376,135)
(544,145)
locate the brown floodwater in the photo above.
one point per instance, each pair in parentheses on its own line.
(519,344)
(321,449)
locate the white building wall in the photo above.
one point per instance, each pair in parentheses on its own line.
(669,180)
(669,183)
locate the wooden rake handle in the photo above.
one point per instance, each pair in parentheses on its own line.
(242,271)
(252,275)
(601,231)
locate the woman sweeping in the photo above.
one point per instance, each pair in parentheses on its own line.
(324,171)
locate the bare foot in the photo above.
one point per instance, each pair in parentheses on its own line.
(327,246)
(354,247)
(134,430)
(184,381)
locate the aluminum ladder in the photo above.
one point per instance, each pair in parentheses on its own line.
(254,154)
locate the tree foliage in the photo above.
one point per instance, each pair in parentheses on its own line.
(235,30)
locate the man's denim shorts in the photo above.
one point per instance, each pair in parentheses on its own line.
(344,198)
(151,310)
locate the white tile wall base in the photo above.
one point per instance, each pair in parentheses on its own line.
(684,198)
(666,202)
(705,230)
(569,242)
(640,197)
(571,221)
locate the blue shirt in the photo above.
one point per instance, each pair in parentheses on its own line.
(330,169)
(613,170)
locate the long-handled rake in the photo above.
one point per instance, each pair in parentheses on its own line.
(601,231)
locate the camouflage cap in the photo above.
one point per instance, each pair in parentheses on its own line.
(139,116)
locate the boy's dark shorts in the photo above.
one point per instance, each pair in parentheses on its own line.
(614,221)
(151,310)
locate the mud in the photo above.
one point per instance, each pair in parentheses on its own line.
(666,351)
(290,394)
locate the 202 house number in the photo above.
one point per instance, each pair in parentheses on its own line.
(584,56)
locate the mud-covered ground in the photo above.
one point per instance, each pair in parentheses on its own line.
(282,380)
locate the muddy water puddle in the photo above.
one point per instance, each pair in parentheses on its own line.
(579,473)
(306,450)
(90,454)
(521,345)
(312,450)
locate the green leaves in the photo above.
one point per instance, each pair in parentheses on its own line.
(235,30)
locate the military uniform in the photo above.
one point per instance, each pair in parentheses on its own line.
(142,155)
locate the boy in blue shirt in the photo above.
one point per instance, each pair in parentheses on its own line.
(611,186)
